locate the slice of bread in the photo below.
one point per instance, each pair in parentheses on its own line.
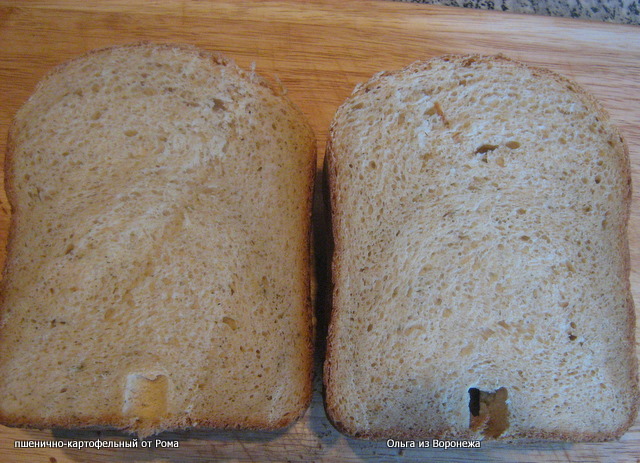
(481,265)
(158,265)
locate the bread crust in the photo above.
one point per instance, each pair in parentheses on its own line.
(117,421)
(331,162)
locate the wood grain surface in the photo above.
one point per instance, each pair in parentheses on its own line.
(319,50)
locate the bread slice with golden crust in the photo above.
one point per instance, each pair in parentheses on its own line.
(480,279)
(159,247)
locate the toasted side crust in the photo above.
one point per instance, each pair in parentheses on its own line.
(374,387)
(74,355)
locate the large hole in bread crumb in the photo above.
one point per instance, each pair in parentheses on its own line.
(489,411)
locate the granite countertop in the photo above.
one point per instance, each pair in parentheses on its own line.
(614,11)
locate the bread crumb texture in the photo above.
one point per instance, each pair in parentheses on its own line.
(481,261)
(159,253)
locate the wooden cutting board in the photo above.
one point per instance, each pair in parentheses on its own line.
(319,50)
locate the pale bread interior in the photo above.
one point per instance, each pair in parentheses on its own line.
(158,270)
(479,216)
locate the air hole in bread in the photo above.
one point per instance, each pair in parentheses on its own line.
(513,144)
(232,323)
(489,411)
(485,148)
(219,105)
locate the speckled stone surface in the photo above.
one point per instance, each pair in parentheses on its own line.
(615,11)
